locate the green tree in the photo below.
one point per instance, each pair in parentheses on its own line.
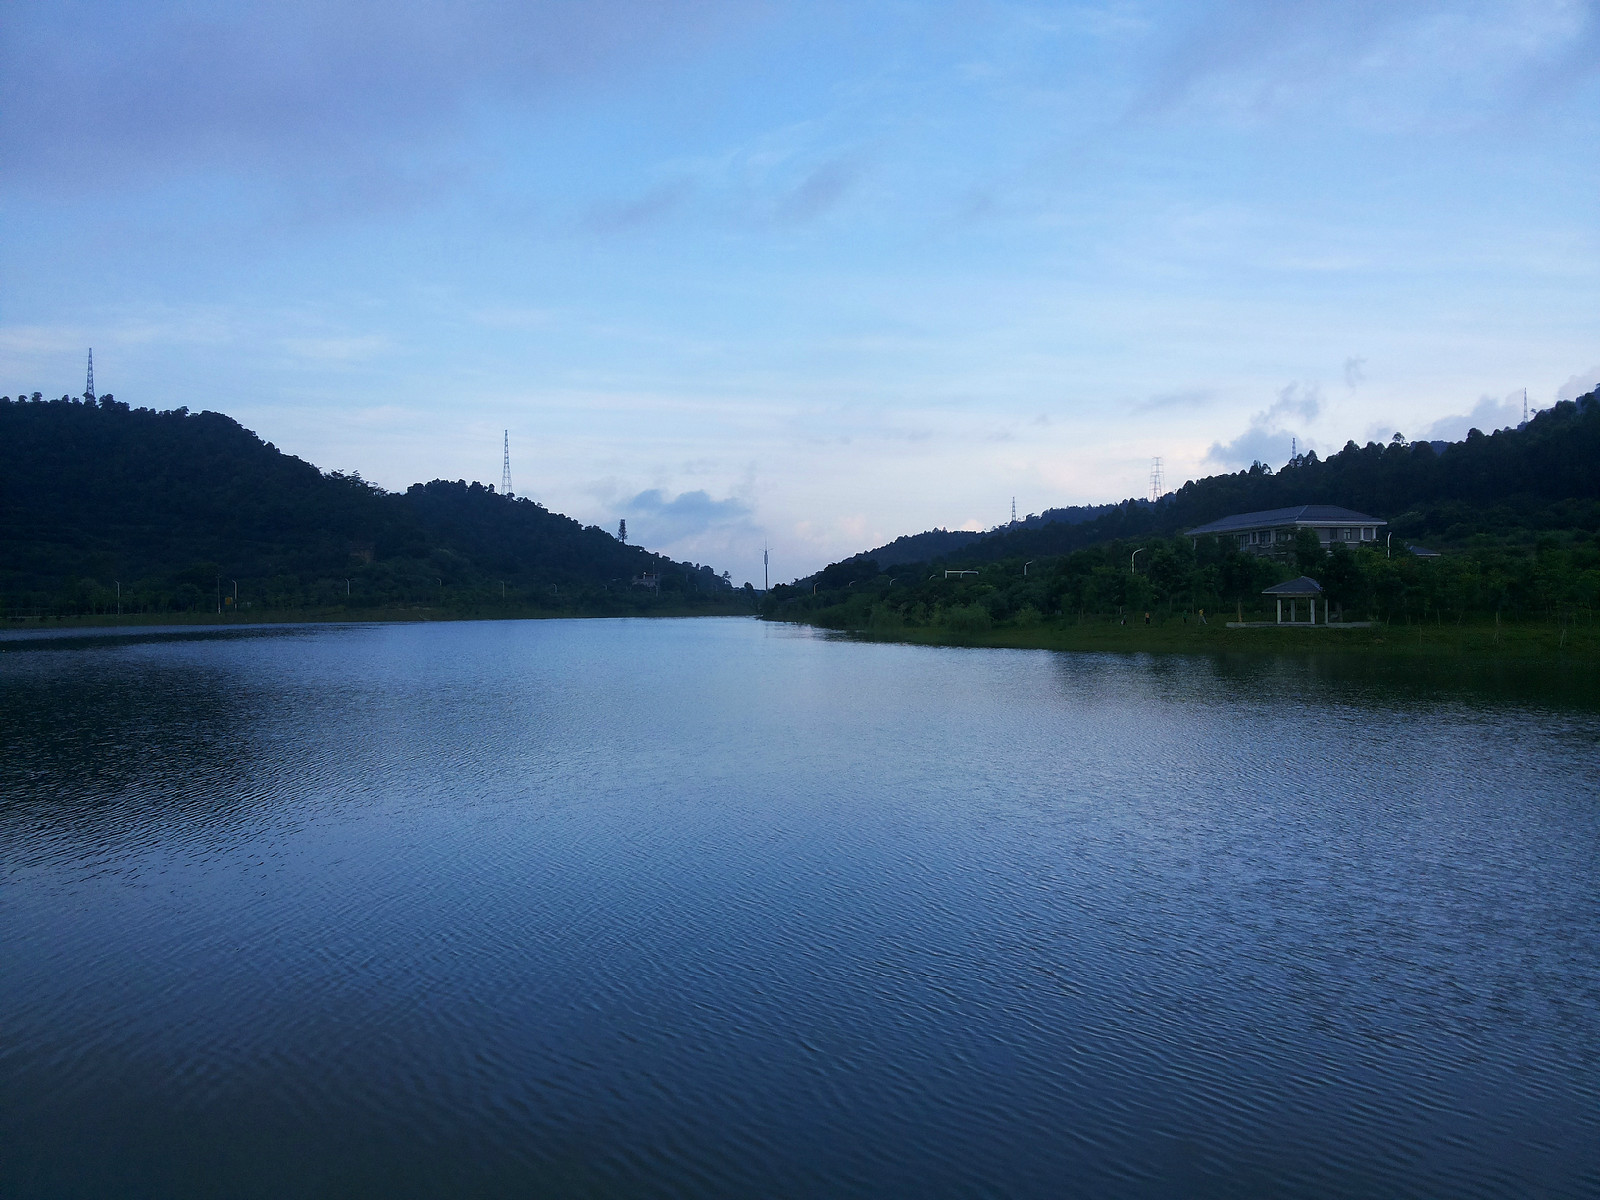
(1309,556)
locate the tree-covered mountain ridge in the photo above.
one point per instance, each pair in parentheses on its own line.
(175,508)
(1544,475)
(1517,514)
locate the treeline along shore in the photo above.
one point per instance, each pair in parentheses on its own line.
(108,511)
(1511,521)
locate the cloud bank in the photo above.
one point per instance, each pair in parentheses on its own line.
(1268,439)
(1486,416)
(358,93)
(686,515)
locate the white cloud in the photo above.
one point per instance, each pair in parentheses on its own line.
(1579,385)
(665,521)
(1269,438)
(329,350)
(1486,416)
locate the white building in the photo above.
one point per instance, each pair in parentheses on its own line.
(1273,531)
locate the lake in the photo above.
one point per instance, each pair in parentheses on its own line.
(719,908)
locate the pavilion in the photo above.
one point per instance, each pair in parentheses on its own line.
(1304,588)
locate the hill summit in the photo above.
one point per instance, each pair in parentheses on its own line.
(177,508)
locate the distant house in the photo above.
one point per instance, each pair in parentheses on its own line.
(1273,531)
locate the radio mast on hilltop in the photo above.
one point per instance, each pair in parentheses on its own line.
(1157,489)
(1013,510)
(765,586)
(88,391)
(505,466)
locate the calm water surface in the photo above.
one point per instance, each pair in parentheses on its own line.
(712,908)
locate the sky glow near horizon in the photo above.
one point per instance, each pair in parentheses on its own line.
(816,275)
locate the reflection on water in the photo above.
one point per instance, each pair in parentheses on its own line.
(715,908)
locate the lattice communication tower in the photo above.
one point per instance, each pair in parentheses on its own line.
(505,466)
(1157,488)
(88,391)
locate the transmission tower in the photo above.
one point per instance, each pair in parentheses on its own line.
(88,391)
(622,531)
(1157,489)
(1013,510)
(765,586)
(505,467)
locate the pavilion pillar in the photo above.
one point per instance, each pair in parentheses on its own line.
(1313,610)
(1280,610)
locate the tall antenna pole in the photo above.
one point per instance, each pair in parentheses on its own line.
(88,391)
(1013,510)
(505,467)
(1524,405)
(765,586)
(1157,489)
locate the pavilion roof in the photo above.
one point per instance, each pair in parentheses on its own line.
(1304,586)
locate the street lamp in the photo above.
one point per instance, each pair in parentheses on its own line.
(1133,556)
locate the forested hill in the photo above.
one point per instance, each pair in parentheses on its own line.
(937,543)
(92,494)
(1544,476)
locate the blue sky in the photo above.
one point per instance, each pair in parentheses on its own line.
(815,275)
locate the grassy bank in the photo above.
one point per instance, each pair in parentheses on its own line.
(1530,641)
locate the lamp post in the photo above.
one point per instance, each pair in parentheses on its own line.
(1026,565)
(1133,556)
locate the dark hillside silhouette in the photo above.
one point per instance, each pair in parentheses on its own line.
(1517,514)
(168,502)
(1543,477)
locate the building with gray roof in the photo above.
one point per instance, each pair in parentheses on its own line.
(1273,531)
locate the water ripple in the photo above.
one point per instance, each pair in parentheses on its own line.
(705,908)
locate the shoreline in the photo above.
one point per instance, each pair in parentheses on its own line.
(1530,643)
(331,616)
